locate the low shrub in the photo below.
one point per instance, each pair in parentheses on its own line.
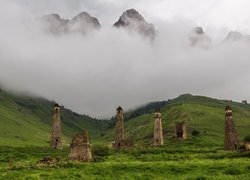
(247,138)
(100,152)
(195,133)
(232,171)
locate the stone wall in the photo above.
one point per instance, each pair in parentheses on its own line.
(158,136)
(119,128)
(180,130)
(231,138)
(56,139)
(80,148)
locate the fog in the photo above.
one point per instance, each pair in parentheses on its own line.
(95,73)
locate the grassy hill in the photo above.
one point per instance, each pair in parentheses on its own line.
(25,124)
(202,114)
(28,121)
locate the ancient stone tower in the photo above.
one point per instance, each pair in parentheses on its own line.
(80,148)
(158,137)
(180,130)
(119,128)
(231,139)
(56,139)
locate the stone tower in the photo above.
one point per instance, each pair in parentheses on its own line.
(56,139)
(180,130)
(80,148)
(158,137)
(119,128)
(231,139)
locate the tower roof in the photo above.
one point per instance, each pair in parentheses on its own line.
(228,108)
(56,105)
(119,108)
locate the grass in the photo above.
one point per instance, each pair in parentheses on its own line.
(25,127)
(27,121)
(174,160)
(202,114)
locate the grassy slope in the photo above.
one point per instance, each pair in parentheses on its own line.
(202,157)
(27,121)
(176,160)
(200,113)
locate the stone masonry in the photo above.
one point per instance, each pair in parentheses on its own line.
(56,139)
(80,148)
(231,138)
(158,137)
(180,130)
(119,128)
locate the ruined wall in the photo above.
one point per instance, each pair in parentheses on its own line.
(158,136)
(119,128)
(231,138)
(56,139)
(180,130)
(80,148)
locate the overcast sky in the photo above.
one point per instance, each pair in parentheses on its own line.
(94,74)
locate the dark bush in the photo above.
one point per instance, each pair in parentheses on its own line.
(232,172)
(195,133)
(247,138)
(200,178)
(100,152)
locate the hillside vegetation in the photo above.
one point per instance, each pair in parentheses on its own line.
(201,114)
(25,127)
(26,121)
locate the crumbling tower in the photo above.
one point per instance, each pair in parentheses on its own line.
(158,137)
(56,139)
(231,139)
(180,130)
(119,128)
(80,148)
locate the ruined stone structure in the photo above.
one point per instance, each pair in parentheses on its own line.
(119,128)
(231,139)
(56,139)
(180,130)
(247,144)
(158,137)
(80,148)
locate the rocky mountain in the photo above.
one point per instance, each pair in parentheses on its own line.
(82,23)
(234,36)
(197,37)
(133,21)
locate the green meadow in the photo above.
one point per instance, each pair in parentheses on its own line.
(25,127)
(174,160)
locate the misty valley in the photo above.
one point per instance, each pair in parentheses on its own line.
(95,89)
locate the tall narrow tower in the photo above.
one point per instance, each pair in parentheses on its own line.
(231,138)
(56,139)
(119,128)
(158,137)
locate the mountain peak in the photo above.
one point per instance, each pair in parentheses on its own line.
(128,16)
(198,30)
(85,17)
(133,20)
(197,37)
(233,36)
(81,23)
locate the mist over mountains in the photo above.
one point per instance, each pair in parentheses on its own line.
(93,69)
(81,23)
(130,20)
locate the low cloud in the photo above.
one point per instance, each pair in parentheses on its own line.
(97,72)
